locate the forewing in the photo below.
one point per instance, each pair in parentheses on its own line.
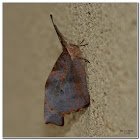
(66,90)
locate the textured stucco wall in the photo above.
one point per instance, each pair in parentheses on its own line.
(31,48)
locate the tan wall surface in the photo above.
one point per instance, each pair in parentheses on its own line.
(31,48)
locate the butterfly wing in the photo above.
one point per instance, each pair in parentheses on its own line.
(51,116)
(52,89)
(66,89)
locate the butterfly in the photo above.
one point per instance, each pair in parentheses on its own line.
(65,89)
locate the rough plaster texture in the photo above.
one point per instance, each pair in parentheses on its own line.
(31,48)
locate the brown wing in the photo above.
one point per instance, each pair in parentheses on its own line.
(66,89)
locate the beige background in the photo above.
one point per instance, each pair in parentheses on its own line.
(31,48)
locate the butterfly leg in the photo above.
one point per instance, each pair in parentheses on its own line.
(81,41)
(80,44)
(83,59)
(84,44)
